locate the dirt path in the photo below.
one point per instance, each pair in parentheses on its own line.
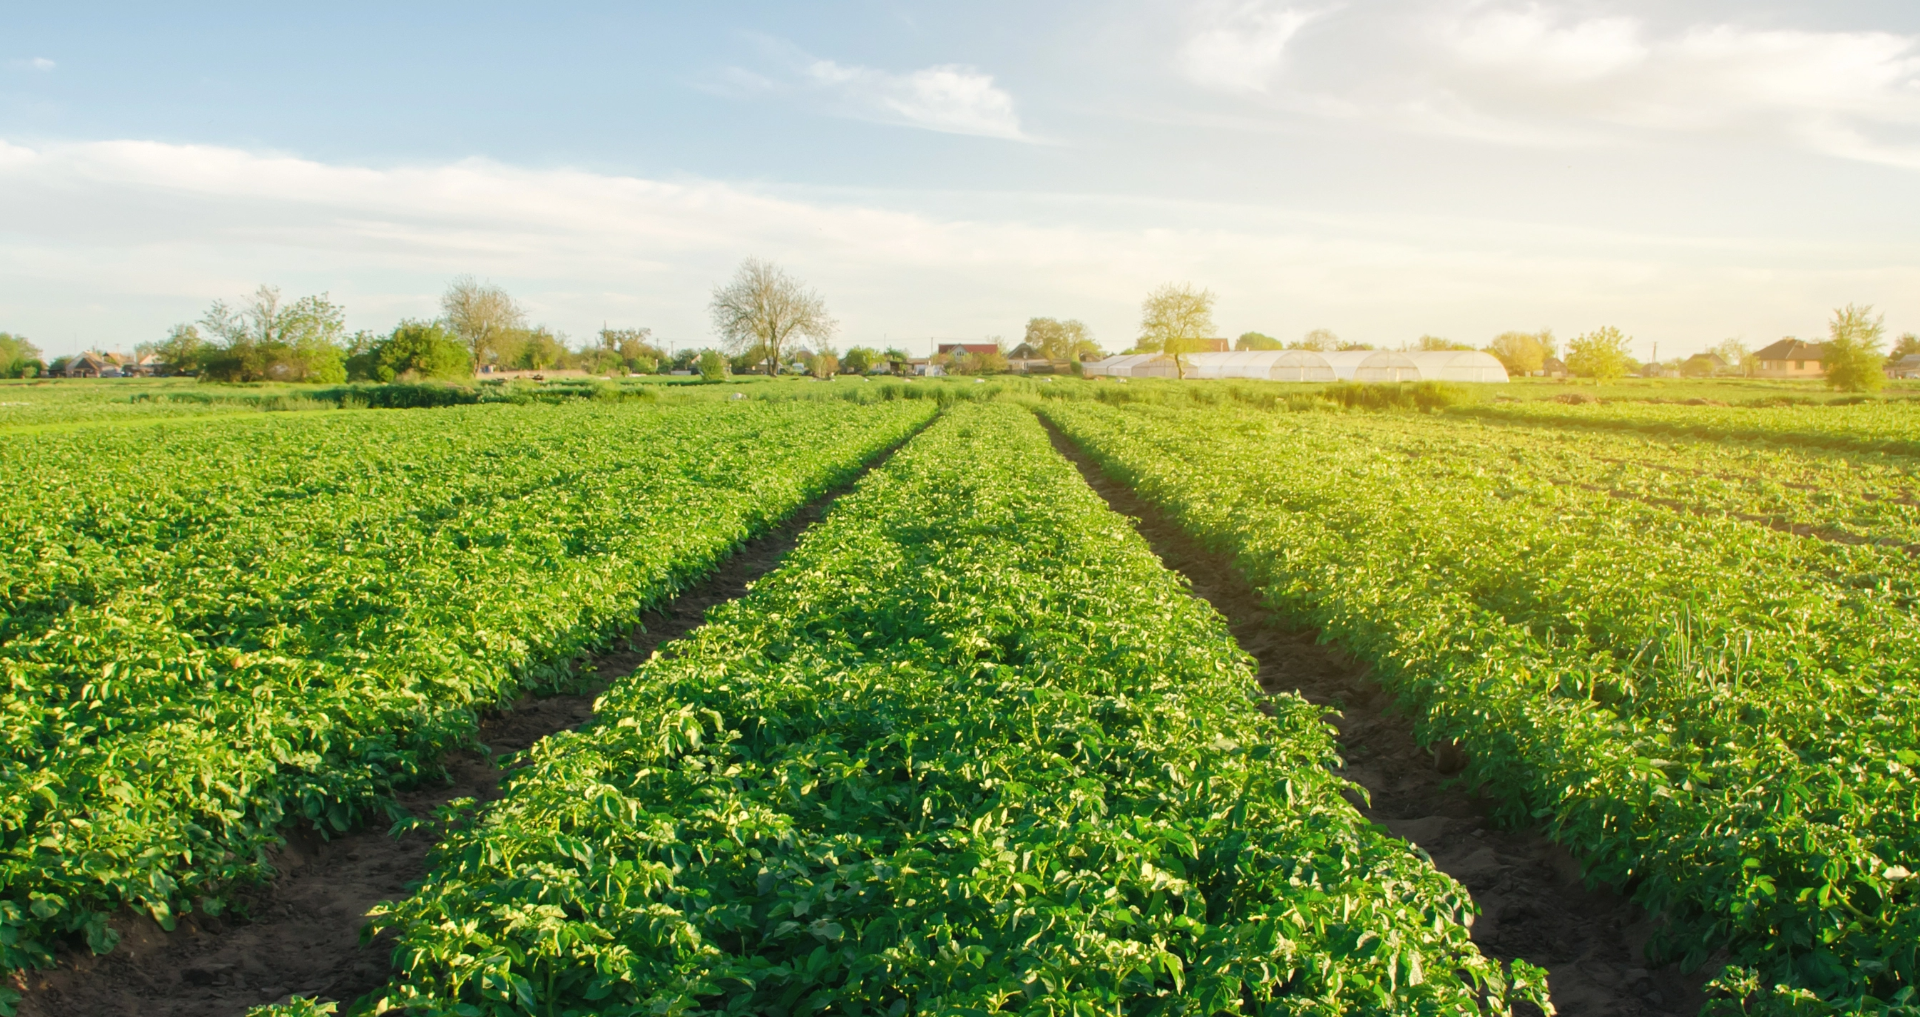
(303,935)
(1533,904)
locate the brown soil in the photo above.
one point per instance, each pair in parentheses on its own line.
(301,933)
(1534,905)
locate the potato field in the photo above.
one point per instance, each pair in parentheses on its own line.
(971,746)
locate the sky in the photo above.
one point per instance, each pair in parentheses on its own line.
(1686,171)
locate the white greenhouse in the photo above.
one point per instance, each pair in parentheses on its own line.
(1307,365)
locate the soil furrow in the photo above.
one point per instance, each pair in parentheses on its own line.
(300,934)
(1534,905)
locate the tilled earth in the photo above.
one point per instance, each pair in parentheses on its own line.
(1534,905)
(300,934)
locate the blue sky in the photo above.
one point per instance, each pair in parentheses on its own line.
(1688,172)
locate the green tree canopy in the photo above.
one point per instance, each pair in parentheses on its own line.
(1176,320)
(1602,354)
(860,360)
(1319,340)
(18,357)
(419,350)
(1908,345)
(261,339)
(1522,352)
(1257,341)
(1061,340)
(1853,360)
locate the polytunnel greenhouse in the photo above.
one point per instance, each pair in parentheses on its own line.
(1309,365)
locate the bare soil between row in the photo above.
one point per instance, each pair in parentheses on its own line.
(1534,905)
(300,934)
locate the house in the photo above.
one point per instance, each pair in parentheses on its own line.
(976,349)
(94,364)
(1791,358)
(1553,367)
(1906,367)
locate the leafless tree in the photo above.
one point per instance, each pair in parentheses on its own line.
(481,314)
(765,308)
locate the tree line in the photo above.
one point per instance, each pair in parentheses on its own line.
(769,322)
(1177,320)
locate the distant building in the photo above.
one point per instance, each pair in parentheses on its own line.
(1791,358)
(1906,367)
(977,349)
(95,364)
(1553,367)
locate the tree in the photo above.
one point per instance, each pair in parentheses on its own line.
(419,350)
(1319,340)
(1522,352)
(1908,345)
(860,360)
(1736,355)
(1437,344)
(535,349)
(484,317)
(262,340)
(181,350)
(825,364)
(1600,354)
(1257,341)
(897,360)
(713,366)
(1853,359)
(765,306)
(1061,340)
(18,357)
(1176,321)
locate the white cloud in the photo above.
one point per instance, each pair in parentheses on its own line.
(1238,45)
(110,242)
(33,64)
(1531,74)
(953,98)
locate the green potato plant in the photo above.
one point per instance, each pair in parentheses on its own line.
(970,749)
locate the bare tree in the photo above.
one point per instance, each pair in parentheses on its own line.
(1176,320)
(481,314)
(764,308)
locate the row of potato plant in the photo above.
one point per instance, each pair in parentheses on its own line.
(1891,425)
(1853,497)
(268,620)
(1720,717)
(970,749)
